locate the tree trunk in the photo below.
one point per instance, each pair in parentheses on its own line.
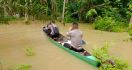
(26,13)
(5,11)
(63,13)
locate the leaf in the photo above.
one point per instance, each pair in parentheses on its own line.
(91,13)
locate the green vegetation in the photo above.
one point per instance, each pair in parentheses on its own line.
(130,68)
(1,66)
(75,10)
(130,29)
(106,15)
(30,52)
(130,32)
(109,62)
(110,24)
(21,67)
(5,20)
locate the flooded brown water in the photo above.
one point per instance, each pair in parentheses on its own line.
(15,38)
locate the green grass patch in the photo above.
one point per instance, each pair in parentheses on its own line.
(6,19)
(130,67)
(130,32)
(30,52)
(109,62)
(1,65)
(110,24)
(21,67)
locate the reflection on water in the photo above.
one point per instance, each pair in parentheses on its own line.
(15,38)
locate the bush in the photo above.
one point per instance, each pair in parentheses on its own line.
(109,24)
(6,19)
(130,29)
(21,67)
(130,68)
(30,52)
(69,19)
(91,13)
(130,32)
(108,62)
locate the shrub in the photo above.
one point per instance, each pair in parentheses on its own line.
(21,67)
(30,52)
(118,28)
(130,29)
(6,19)
(107,60)
(130,32)
(69,19)
(130,68)
(109,24)
(91,13)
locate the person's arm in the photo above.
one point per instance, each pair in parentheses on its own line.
(71,28)
(69,33)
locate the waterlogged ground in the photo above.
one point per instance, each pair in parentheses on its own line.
(17,37)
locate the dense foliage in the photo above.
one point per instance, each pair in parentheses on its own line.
(106,59)
(110,24)
(130,32)
(76,10)
(20,67)
(108,15)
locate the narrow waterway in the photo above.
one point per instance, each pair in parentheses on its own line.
(17,37)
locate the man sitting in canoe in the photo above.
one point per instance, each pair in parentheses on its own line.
(52,30)
(76,38)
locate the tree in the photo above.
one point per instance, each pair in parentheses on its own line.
(63,13)
(130,13)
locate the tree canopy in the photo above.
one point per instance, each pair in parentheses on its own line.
(75,10)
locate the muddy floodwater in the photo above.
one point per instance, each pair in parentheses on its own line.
(17,37)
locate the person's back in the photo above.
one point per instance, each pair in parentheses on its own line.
(54,30)
(76,38)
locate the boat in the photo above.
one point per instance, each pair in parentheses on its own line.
(89,59)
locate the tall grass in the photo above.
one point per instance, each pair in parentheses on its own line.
(130,32)
(30,52)
(130,29)
(109,62)
(20,67)
(6,19)
(110,24)
(1,66)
